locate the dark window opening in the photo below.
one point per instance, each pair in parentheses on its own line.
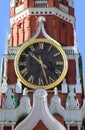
(20,25)
(41,5)
(63,25)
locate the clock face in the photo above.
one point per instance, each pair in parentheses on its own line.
(41,63)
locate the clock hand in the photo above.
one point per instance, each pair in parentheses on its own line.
(43,69)
(44,73)
(41,62)
(38,60)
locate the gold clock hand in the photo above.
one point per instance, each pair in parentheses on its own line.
(38,60)
(41,62)
(43,66)
(44,73)
(33,56)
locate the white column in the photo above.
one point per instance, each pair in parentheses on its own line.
(12,127)
(68,127)
(4,84)
(79,127)
(5,68)
(2,127)
(78,84)
(77,67)
(64,86)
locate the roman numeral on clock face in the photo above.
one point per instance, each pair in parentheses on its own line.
(32,48)
(50,48)
(56,54)
(24,72)
(41,83)
(24,54)
(58,72)
(59,63)
(51,79)
(31,79)
(22,63)
(41,45)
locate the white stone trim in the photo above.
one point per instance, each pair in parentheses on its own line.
(19,8)
(67,114)
(42,11)
(40,111)
(7,116)
(64,8)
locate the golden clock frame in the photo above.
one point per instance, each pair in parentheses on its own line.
(55,83)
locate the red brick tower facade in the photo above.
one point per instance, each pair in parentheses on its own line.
(59,25)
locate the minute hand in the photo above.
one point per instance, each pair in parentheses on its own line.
(34,57)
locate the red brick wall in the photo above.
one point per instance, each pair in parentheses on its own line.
(7,128)
(40,126)
(71,74)
(57,28)
(11,76)
(12,12)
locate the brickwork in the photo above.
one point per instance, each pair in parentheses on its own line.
(71,74)
(11,76)
(41,126)
(57,28)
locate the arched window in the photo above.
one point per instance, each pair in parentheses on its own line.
(41,3)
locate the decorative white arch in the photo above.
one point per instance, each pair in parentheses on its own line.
(39,112)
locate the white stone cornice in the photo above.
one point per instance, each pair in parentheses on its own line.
(42,11)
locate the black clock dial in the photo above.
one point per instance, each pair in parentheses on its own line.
(41,64)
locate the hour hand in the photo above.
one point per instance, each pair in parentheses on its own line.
(43,66)
(41,62)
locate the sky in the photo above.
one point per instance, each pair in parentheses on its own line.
(80,26)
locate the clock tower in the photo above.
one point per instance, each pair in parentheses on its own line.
(41,54)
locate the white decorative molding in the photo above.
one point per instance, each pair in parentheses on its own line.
(12,3)
(71,3)
(4,86)
(41,112)
(64,86)
(64,8)
(8,116)
(18,87)
(19,8)
(68,114)
(42,11)
(71,100)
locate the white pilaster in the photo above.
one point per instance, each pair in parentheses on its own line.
(78,85)
(5,68)
(64,86)
(12,127)
(2,127)
(68,127)
(71,3)
(77,67)
(12,3)
(18,87)
(4,84)
(79,126)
